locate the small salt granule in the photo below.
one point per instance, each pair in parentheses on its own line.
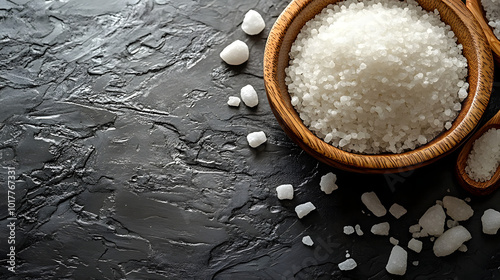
(433,220)
(397,261)
(249,96)
(457,209)
(348,230)
(235,53)
(372,202)
(327,183)
(393,241)
(255,139)
(284,191)
(304,209)
(348,264)
(307,240)
(397,210)
(450,241)
(381,229)
(415,245)
(358,230)
(233,101)
(490,221)
(253,23)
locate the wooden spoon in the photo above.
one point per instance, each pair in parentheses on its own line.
(474,187)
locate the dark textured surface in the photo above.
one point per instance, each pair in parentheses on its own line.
(129,164)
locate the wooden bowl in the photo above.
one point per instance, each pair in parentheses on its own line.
(480,66)
(477,10)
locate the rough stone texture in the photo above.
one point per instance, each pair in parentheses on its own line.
(130,165)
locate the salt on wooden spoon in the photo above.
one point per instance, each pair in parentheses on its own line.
(476,187)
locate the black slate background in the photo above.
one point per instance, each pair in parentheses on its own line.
(130,165)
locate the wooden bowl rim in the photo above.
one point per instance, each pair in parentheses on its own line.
(445,143)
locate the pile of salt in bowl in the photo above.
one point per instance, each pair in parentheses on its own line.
(492,11)
(377,76)
(484,157)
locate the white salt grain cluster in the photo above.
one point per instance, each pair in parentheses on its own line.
(327,183)
(377,76)
(235,53)
(484,157)
(284,191)
(457,208)
(348,264)
(372,202)
(397,261)
(304,209)
(256,139)
(492,10)
(253,23)
(450,241)
(490,221)
(433,220)
(249,96)
(307,240)
(233,101)
(397,210)
(381,229)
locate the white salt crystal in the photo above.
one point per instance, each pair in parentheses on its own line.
(484,157)
(433,220)
(307,240)
(492,10)
(490,221)
(235,53)
(253,23)
(397,210)
(393,241)
(381,228)
(463,248)
(457,209)
(249,96)
(415,228)
(304,209)
(348,230)
(397,261)
(450,241)
(327,183)
(358,230)
(233,101)
(415,245)
(451,223)
(285,191)
(415,263)
(348,264)
(255,139)
(372,202)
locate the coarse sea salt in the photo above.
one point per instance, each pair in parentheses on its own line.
(397,261)
(370,86)
(372,202)
(457,208)
(433,220)
(233,101)
(490,221)
(253,23)
(492,10)
(304,209)
(348,264)
(327,183)
(284,191)
(348,230)
(415,245)
(484,156)
(450,241)
(307,240)
(381,228)
(397,210)
(256,139)
(249,96)
(235,53)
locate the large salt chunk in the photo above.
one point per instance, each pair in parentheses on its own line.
(372,202)
(348,264)
(327,183)
(235,53)
(397,261)
(381,229)
(490,221)
(450,241)
(253,23)
(257,138)
(433,220)
(307,240)
(304,209)
(249,96)
(457,209)
(397,210)
(284,191)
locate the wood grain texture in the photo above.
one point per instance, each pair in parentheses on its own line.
(474,187)
(477,10)
(480,65)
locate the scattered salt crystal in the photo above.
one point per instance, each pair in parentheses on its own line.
(451,223)
(397,261)
(450,241)
(348,230)
(255,139)
(372,202)
(253,23)
(235,53)
(348,264)
(457,209)
(249,96)
(304,209)
(307,240)
(381,229)
(233,101)
(397,210)
(393,241)
(463,248)
(415,263)
(327,183)
(415,245)
(358,230)
(433,220)
(484,157)
(415,228)
(490,221)
(285,191)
